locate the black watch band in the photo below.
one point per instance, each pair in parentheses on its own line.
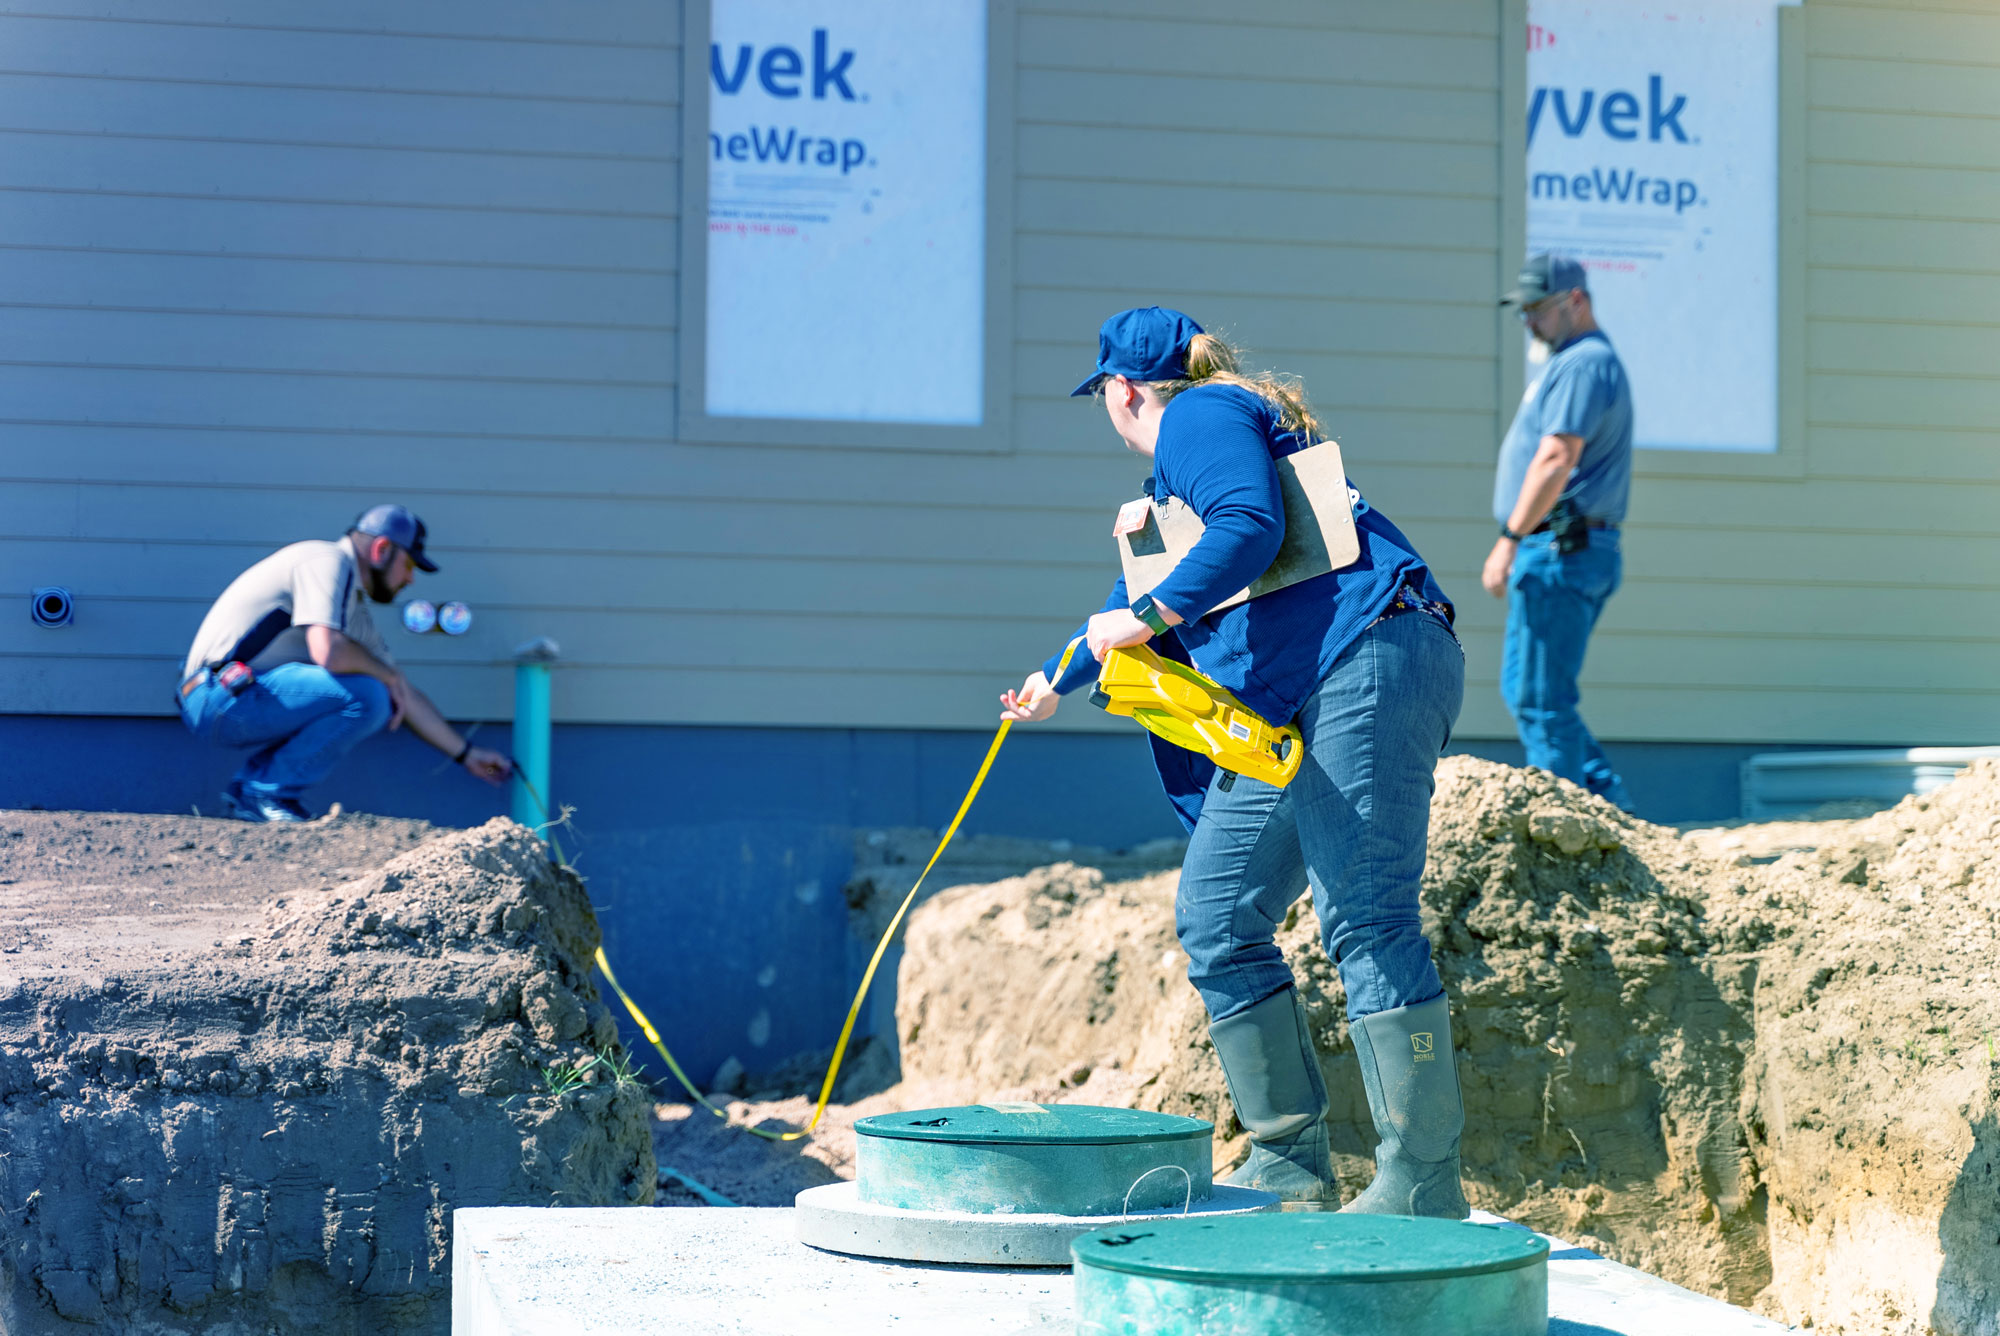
(1148,612)
(1506,532)
(463,752)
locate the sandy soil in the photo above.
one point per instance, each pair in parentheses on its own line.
(90,893)
(1758,1060)
(1874,1104)
(247,1072)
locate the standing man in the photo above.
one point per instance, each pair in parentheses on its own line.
(289,663)
(1564,478)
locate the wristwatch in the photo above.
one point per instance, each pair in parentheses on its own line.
(1148,612)
(1506,532)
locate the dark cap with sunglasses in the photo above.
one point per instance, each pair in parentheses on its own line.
(400,527)
(1544,276)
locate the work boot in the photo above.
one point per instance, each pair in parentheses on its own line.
(1273,1074)
(1412,1082)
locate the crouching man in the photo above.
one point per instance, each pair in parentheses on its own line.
(289,664)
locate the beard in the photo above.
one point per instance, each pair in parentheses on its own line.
(375,579)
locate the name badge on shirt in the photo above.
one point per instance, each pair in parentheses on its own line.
(1131,517)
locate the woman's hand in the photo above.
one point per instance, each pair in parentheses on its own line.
(1033,703)
(1115,629)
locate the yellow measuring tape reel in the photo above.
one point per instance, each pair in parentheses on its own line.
(1190,711)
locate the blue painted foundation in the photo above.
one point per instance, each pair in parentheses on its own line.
(716,856)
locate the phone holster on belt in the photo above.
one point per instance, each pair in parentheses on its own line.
(1572,530)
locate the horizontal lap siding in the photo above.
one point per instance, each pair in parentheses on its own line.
(1322,187)
(1857,603)
(259,272)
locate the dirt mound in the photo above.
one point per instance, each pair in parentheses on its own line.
(1600,1036)
(1876,1101)
(1762,1061)
(269,1128)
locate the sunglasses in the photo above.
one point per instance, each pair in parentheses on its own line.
(1530,310)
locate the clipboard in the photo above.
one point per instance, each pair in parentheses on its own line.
(1319,530)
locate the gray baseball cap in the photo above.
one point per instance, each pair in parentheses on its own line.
(1545,275)
(400,527)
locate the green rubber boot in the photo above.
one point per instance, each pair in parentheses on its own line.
(1412,1082)
(1273,1074)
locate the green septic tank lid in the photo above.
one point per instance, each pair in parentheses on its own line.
(1039,1124)
(1308,1248)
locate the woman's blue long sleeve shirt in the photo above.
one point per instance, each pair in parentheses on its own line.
(1215,451)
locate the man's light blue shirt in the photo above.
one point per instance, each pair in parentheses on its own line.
(1582,391)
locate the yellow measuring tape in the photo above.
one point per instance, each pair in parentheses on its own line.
(652,1034)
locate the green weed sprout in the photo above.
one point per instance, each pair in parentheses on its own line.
(560,1080)
(618,1062)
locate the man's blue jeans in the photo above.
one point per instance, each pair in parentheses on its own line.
(299,718)
(1353,823)
(1552,605)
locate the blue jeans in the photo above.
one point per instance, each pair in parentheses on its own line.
(1552,605)
(1353,824)
(300,718)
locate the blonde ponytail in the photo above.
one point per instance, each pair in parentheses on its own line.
(1211,361)
(1208,356)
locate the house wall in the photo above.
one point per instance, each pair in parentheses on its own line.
(258,272)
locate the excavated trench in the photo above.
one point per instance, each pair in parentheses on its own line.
(1758,1062)
(245,1074)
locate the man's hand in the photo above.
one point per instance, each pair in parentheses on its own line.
(490,766)
(1499,565)
(400,692)
(1115,629)
(1033,703)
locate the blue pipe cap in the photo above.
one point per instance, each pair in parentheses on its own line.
(52,606)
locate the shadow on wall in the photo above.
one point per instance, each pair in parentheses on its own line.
(1968,1292)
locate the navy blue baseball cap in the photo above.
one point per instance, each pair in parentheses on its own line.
(1144,343)
(400,527)
(1545,275)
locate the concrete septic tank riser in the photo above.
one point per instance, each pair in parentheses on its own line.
(1515,1303)
(1014,1184)
(1066,1159)
(1312,1275)
(835,1219)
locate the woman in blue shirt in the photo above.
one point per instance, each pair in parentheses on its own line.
(1364,661)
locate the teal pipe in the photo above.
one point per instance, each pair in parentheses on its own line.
(532,664)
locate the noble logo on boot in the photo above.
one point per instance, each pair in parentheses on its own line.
(1420,1047)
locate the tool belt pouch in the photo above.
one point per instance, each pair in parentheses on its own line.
(1319,529)
(1571,530)
(236,677)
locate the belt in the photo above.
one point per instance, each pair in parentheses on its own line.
(1546,525)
